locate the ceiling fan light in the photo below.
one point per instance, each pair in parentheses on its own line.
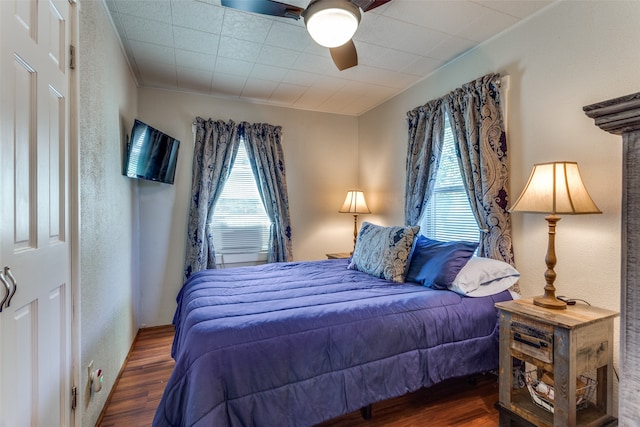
(332,23)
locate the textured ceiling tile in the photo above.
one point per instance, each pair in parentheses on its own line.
(423,66)
(486,24)
(449,48)
(147,30)
(197,41)
(202,61)
(269,58)
(399,35)
(520,9)
(380,77)
(314,48)
(268,72)
(301,78)
(361,97)
(158,75)
(246,26)
(197,16)
(147,52)
(338,101)
(441,15)
(314,97)
(314,64)
(194,80)
(152,9)
(259,89)
(289,36)
(227,84)
(276,56)
(239,49)
(233,66)
(286,94)
(382,57)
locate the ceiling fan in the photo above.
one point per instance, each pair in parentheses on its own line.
(331,23)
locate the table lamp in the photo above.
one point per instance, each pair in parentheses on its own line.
(554,188)
(354,204)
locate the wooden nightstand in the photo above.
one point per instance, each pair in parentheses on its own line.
(564,343)
(339,255)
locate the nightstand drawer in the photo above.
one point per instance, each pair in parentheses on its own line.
(532,338)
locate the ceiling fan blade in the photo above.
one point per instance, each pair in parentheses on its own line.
(265,7)
(345,56)
(366,5)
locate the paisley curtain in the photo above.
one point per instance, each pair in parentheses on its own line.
(264,150)
(426,137)
(216,146)
(481,144)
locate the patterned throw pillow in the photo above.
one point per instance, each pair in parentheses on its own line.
(383,251)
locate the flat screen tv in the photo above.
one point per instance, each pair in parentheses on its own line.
(150,154)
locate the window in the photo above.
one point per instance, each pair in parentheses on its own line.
(448,214)
(240,224)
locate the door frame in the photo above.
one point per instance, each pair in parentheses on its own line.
(74,210)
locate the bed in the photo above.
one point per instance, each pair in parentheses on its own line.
(297,343)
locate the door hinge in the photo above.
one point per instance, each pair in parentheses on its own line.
(72,57)
(74,398)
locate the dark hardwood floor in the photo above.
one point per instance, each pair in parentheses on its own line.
(452,403)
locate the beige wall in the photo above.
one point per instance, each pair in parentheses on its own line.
(107,320)
(321,164)
(569,55)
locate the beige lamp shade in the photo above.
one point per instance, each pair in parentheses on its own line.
(354,203)
(555,188)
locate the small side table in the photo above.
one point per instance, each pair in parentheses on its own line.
(565,343)
(339,255)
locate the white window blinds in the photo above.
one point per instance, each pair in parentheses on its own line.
(448,215)
(240,224)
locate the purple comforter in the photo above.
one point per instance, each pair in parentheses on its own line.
(293,344)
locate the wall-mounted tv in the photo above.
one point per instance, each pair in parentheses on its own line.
(150,154)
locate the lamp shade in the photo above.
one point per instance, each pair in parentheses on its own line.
(331,23)
(354,203)
(555,188)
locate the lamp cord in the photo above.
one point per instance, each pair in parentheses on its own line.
(572,301)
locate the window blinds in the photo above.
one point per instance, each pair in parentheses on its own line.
(240,223)
(448,215)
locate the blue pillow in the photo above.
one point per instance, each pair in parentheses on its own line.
(436,264)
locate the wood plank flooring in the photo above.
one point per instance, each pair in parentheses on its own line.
(139,387)
(137,393)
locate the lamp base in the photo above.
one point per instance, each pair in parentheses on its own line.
(550,302)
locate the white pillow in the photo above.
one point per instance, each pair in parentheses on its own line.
(484,276)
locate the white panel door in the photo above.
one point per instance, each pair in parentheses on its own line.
(35,322)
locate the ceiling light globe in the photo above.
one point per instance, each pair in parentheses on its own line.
(332,27)
(331,23)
